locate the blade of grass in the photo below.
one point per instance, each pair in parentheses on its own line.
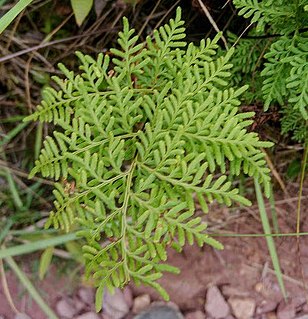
(6,20)
(5,229)
(13,189)
(269,240)
(31,289)
(13,133)
(37,245)
(273,211)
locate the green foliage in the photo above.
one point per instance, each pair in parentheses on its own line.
(141,140)
(285,64)
(81,9)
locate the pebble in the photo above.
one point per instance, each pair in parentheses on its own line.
(242,308)
(128,296)
(20,316)
(286,311)
(86,295)
(65,308)
(88,315)
(160,312)
(115,306)
(266,306)
(215,305)
(195,315)
(141,302)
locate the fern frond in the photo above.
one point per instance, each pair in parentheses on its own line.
(138,144)
(266,11)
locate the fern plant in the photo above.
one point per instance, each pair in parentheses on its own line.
(285,63)
(142,138)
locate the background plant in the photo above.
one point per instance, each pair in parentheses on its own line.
(274,56)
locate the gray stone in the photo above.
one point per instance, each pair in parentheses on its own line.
(115,306)
(141,302)
(216,305)
(286,311)
(242,308)
(65,308)
(88,315)
(160,312)
(128,296)
(20,316)
(195,315)
(86,295)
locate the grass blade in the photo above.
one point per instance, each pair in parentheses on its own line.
(31,289)
(269,240)
(6,20)
(37,245)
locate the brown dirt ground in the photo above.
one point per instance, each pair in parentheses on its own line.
(243,268)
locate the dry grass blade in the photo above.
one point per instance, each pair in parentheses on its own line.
(269,240)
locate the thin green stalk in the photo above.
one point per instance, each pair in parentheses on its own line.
(8,137)
(7,19)
(273,210)
(5,229)
(269,240)
(31,289)
(37,245)
(38,140)
(13,189)
(298,211)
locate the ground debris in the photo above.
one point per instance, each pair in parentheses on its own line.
(88,315)
(195,315)
(115,306)
(65,308)
(242,308)
(141,303)
(216,305)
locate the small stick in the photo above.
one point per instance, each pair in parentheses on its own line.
(213,23)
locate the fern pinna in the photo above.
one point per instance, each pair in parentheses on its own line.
(141,138)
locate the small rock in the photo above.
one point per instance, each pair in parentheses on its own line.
(266,306)
(86,295)
(271,315)
(88,315)
(141,302)
(195,315)
(215,305)
(286,311)
(170,304)
(242,308)
(115,305)
(65,308)
(157,312)
(173,305)
(20,316)
(128,296)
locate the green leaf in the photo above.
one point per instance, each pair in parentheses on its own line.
(9,17)
(45,261)
(37,245)
(81,9)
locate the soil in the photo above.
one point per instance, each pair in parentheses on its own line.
(243,269)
